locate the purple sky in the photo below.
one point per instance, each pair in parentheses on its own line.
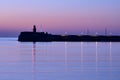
(59,16)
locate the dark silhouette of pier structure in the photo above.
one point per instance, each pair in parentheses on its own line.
(35,36)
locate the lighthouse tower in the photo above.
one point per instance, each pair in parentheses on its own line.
(34,28)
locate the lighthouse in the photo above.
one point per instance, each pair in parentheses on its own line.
(34,28)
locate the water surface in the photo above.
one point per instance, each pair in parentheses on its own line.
(59,60)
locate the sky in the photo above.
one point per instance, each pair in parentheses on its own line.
(59,16)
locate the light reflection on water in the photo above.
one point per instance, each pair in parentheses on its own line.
(59,60)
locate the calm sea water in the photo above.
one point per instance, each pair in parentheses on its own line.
(59,60)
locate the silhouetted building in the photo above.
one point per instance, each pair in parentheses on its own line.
(34,28)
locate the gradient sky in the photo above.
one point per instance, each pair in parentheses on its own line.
(59,16)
